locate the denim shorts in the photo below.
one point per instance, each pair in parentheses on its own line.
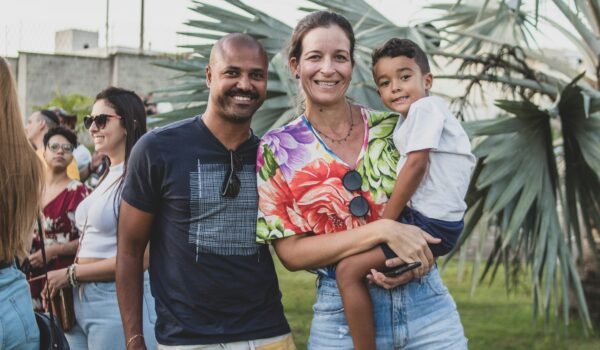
(98,320)
(447,231)
(420,315)
(18,329)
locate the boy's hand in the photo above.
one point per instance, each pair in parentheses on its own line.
(389,282)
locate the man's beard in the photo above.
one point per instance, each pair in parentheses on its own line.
(229,110)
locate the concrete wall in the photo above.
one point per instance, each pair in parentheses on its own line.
(39,76)
(43,75)
(138,73)
(70,40)
(13,62)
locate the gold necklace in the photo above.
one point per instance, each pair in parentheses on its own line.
(343,139)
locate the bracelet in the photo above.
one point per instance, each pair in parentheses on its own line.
(133,337)
(71,276)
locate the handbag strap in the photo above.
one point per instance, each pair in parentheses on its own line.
(80,240)
(52,322)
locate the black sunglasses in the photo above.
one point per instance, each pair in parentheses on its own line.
(352,181)
(231,184)
(99,119)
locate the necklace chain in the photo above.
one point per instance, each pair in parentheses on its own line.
(343,139)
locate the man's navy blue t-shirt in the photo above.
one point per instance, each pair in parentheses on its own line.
(211,281)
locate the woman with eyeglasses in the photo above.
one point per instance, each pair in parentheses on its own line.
(61,197)
(117,122)
(21,185)
(323,182)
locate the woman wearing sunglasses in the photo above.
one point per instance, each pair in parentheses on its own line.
(61,197)
(323,182)
(117,121)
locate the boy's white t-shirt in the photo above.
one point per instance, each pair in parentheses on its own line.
(431,125)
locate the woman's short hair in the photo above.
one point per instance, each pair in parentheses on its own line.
(61,130)
(319,19)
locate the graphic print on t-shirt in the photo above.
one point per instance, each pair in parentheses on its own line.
(222,225)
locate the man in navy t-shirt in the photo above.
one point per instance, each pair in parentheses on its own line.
(190,191)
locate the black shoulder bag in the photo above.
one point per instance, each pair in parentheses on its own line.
(51,335)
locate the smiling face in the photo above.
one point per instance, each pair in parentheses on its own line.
(237,79)
(109,140)
(59,159)
(400,82)
(325,66)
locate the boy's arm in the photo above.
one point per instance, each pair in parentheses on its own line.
(408,180)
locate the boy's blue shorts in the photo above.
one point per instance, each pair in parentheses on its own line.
(447,231)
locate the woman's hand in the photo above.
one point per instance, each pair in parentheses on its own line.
(57,279)
(410,244)
(386,282)
(36,258)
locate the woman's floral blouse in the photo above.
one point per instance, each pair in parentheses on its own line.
(300,180)
(59,225)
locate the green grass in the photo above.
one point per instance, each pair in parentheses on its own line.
(492,320)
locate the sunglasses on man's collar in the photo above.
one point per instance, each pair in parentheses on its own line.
(232,184)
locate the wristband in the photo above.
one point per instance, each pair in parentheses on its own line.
(71,276)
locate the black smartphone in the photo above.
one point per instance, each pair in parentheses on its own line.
(398,270)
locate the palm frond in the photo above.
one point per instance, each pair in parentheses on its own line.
(521,186)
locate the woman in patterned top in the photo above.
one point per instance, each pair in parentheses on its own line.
(323,182)
(61,197)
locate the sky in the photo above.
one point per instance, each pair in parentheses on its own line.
(29,25)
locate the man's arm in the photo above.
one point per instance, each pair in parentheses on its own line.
(133,235)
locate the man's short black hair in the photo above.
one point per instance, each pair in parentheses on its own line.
(50,117)
(61,130)
(401,47)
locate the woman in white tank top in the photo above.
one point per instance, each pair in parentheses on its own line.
(117,121)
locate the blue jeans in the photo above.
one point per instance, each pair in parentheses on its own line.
(420,315)
(18,329)
(98,320)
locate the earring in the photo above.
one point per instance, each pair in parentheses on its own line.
(297,76)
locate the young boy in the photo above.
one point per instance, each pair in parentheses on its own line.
(432,176)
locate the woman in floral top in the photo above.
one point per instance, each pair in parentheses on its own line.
(323,182)
(61,197)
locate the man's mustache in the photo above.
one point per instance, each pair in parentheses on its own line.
(239,92)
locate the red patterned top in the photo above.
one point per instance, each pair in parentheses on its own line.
(59,224)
